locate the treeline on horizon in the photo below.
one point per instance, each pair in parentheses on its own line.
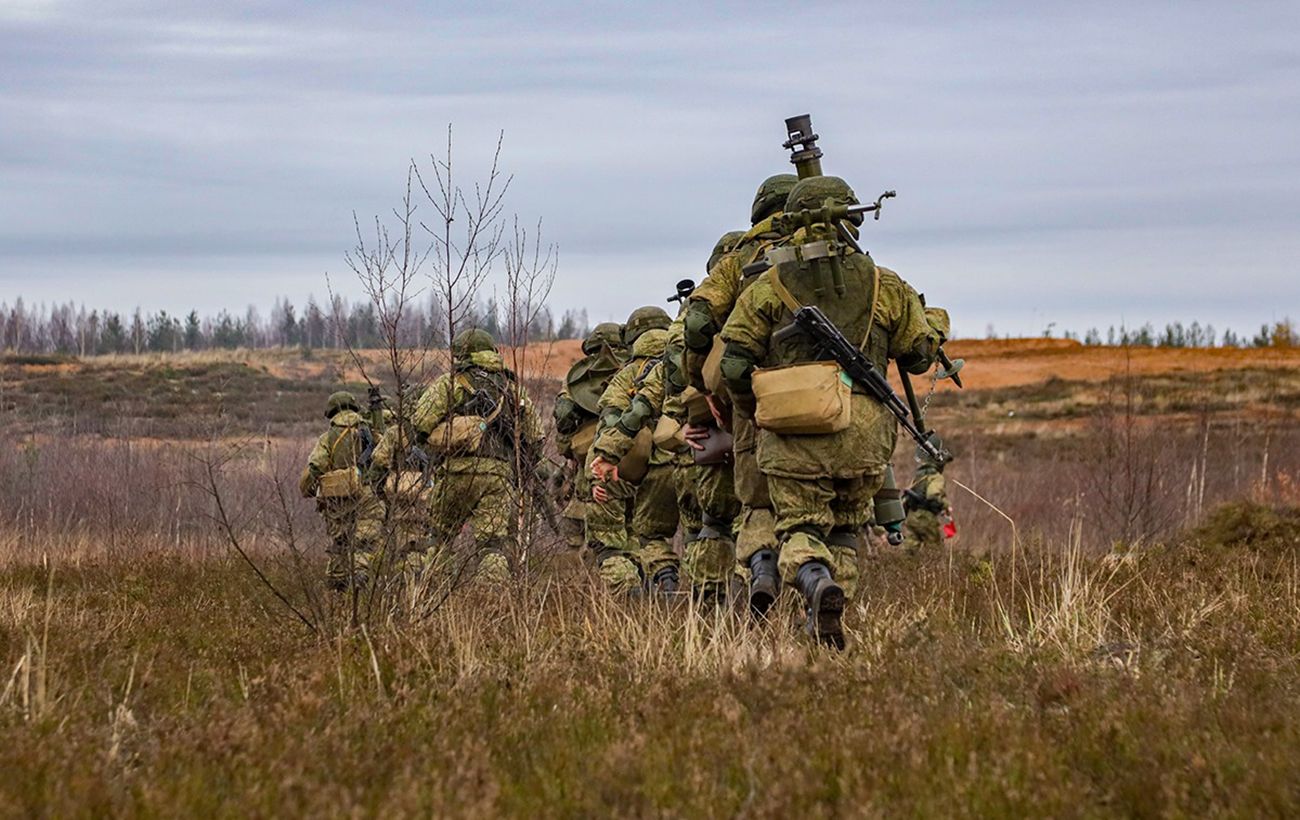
(73,329)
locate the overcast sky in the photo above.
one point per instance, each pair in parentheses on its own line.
(1077,163)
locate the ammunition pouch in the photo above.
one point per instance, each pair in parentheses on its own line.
(668,435)
(712,370)
(344,483)
(634,466)
(459,435)
(802,399)
(697,407)
(580,442)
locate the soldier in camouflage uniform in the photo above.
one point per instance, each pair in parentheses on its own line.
(734,497)
(473,484)
(353,521)
(399,474)
(577,407)
(659,396)
(626,522)
(926,502)
(822,485)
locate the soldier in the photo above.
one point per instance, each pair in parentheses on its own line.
(576,416)
(649,508)
(354,517)
(929,518)
(821,483)
(659,397)
(735,498)
(470,421)
(399,474)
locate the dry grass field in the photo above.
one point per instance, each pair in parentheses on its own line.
(1115,632)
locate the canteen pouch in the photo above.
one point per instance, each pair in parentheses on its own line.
(712,368)
(803,399)
(697,407)
(459,435)
(636,463)
(344,483)
(668,435)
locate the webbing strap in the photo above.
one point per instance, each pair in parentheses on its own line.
(787,298)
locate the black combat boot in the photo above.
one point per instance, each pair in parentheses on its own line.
(665,581)
(824,601)
(764,582)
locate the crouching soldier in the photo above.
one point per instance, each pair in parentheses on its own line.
(354,517)
(929,518)
(470,421)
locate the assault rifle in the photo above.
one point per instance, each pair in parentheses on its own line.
(829,340)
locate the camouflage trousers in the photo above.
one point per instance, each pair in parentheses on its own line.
(686,485)
(922,529)
(356,531)
(573,517)
(821,519)
(607,536)
(757,530)
(484,501)
(711,555)
(654,519)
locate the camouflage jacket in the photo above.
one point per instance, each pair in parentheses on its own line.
(578,402)
(928,492)
(483,378)
(720,290)
(342,446)
(647,357)
(894,327)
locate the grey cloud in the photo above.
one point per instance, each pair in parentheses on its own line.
(1130,152)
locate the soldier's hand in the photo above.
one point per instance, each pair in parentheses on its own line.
(695,435)
(603,470)
(599,493)
(721,412)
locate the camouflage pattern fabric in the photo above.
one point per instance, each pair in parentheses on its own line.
(476,489)
(654,519)
(820,483)
(354,525)
(922,527)
(806,513)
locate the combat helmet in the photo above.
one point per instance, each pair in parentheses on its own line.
(605,333)
(814,191)
(651,344)
(643,319)
(469,342)
(771,196)
(340,401)
(726,243)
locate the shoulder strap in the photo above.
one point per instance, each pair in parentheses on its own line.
(782,292)
(875,303)
(334,445)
